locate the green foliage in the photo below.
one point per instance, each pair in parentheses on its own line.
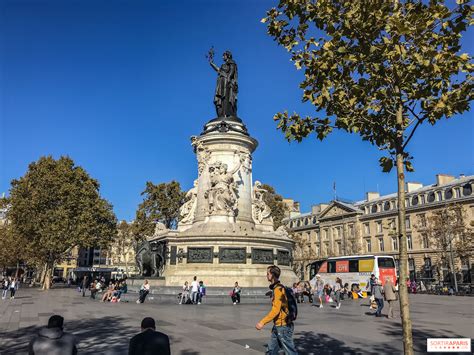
(56,206)
(365,60)
(161,204)
(276,204)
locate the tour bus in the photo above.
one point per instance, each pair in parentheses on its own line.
(354,270)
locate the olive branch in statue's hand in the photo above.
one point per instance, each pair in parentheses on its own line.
(210,54)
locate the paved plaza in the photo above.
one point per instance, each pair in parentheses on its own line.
(105,328)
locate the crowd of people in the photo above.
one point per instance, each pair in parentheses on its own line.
(111,292)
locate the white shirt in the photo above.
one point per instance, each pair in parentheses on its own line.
(194,286)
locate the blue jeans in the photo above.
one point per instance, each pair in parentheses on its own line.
(379,306)
(282,338)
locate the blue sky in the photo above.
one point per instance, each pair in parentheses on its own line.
(120,86)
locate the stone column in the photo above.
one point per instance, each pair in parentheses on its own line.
(231,149)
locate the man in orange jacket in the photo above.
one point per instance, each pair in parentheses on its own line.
(282,331)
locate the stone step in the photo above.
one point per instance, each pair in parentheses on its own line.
(208,299)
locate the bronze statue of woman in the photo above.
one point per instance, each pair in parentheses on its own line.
(225,98)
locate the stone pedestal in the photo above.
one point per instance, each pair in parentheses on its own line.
(226,233)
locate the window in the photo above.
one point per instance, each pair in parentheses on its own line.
(409,242)
(467,190)
(407,223)
(331,266)
(336,232)
(339,249)
(379,227)
(368,245)
(385,262)
(374,208)
(426,242)
(411,264)
(366,228)
(291,224)
(306,221)
(431,197)
(351,230)
(448,194)
(318,235)
(298,223)
(394,243)
(391,225)
(353,265)
(381,245)
(325,234)
(422,220)
(428,271)
(386,206)
(414,200)
(314,220)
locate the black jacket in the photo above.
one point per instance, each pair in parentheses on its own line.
(149,342)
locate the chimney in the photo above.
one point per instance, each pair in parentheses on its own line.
(412,186)
(443,179)
(372,196)
(315,209)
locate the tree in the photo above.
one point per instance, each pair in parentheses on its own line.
(56,206)
(124,244)
(276,204)
(302,254)
(161,204)
(449,235)
(379,69)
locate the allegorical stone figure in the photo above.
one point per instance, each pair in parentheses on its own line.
(222,194)
(225,98)
(189,207)
(261,211)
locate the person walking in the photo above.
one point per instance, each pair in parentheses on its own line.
(84,285)
(236,293)
(149,341)
(283,327)
(337,288)
(13,286)
(378,295)
(319,291)
(5,287)
(185,293)
(389,292)
(52,340)
(194,290)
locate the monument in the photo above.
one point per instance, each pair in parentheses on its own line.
(225,233)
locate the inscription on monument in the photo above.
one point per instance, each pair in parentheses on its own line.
(262,256)
(232,255)
(200,255)
(283,257)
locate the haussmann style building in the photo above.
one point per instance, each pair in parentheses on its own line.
(340,228)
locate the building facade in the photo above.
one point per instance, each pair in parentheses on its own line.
(370,227)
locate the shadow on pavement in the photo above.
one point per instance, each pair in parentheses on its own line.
(310,343)
(107,335)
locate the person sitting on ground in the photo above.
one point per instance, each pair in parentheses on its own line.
(345,291)
(93,288)
(144,290)
(201,291)
(52,340)
(122,289)
(109,293)
(185,293)
(308,292)
(356,289)
(149,341)
(299,292)
(236,293)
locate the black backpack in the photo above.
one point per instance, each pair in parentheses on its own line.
(292,304)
